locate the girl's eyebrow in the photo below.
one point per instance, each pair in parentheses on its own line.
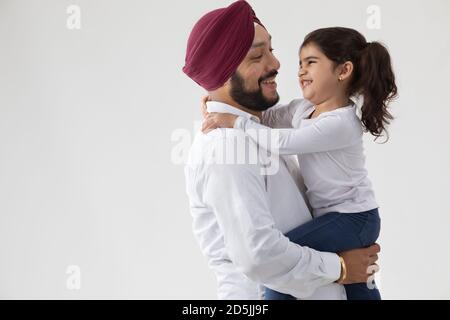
(308,58)
(311,57)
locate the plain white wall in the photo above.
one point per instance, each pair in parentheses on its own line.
(89,120)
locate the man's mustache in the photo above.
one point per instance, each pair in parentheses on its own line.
(268,76)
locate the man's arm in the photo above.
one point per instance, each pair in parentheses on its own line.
(237,195)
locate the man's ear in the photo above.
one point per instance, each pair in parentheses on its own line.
(346,70)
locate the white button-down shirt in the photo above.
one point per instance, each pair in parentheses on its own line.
(240,215)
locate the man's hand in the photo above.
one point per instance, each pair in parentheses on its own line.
(360,264)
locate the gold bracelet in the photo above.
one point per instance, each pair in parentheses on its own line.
(343,270)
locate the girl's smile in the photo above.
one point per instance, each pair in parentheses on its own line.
(305,82)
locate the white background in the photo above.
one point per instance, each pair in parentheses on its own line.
(87,175)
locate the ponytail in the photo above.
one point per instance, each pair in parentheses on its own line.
(376,84)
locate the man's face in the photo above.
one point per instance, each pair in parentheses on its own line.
(253,85)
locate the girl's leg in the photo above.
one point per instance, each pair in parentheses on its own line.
(270,294)
(336,232)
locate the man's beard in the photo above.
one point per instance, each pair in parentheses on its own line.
(253,100)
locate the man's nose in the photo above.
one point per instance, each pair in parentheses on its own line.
(273,64)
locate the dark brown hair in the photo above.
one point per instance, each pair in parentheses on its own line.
(373,77)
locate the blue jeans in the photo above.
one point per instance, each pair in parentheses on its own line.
(336,232)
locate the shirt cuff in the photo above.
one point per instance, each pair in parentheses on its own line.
(239,123)
(332,264)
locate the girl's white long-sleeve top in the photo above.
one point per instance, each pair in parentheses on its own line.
(330,152)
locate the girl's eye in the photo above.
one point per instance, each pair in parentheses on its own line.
(311,62)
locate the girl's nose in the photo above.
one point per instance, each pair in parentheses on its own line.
(301,72)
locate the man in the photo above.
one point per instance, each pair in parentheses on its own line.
(240,213)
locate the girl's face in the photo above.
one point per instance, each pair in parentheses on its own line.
(318,75)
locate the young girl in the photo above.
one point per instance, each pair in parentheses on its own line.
(335,65)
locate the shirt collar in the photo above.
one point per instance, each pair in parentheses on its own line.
(216,106)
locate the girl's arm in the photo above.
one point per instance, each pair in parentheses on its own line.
(278,116)
(281,116)
(328,133)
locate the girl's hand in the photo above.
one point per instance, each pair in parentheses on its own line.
(203,106)
(216,120)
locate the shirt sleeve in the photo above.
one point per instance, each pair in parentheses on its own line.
(328,133)
(236,193)
(280,116)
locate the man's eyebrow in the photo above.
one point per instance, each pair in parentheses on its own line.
(261,44)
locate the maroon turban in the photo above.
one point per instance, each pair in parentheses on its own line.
(218,43)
